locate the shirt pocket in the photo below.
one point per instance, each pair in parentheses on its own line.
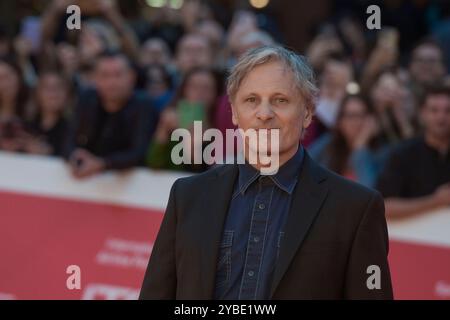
(223,274)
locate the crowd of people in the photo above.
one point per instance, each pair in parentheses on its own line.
(108,96)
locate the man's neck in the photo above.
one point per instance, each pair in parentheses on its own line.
(112,105)
(439,143)
(283,158)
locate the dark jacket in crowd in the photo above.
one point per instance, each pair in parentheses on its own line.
(120,138)
(54,136)
(414,169)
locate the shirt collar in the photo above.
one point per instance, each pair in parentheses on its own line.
(285,178)
(436,153)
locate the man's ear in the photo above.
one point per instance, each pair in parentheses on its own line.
(307,117)
(234,117)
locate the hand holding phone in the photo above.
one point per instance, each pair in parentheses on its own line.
(188,112)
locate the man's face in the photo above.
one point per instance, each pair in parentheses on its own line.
(114,78)
(154,52)
(193,51)
(435,116)
(267,98)
(426,65)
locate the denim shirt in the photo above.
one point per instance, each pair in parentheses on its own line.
(253,231)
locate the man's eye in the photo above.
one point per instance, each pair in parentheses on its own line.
(251,99)
(281,100)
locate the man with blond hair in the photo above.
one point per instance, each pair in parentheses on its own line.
(302,232)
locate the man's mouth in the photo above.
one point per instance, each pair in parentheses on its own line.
(268,129)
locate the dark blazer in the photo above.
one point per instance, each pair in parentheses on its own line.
(335,230)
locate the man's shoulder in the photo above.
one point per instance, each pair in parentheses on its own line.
(142,103)
(87,93)
(348,200)
(345,189)
(407,147)
(338,186)
(141,98)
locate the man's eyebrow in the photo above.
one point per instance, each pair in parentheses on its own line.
(245,94)
(273,94)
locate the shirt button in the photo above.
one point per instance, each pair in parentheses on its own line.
(261,206)
(251,273)
(256,239)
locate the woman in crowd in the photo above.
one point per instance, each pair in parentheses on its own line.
(394,105)
(195,100)
(48,127)
(13,106)
(351,149)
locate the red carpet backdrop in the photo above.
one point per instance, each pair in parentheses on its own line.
(106,225)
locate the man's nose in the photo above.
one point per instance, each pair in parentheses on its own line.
(265,111)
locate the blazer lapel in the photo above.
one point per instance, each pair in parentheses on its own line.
(217,199)
(308,197)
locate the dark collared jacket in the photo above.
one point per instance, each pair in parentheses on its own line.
(120,138)
(335,237)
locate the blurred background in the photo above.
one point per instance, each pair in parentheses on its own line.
(86,117)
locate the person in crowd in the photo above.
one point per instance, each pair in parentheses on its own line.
(23,48)
(215,33)
(48,129)
(393,102)
(427,64)
(242,23)
(336,75)
(113,123)
(14,106)
(248,41)
(159,85)
(384,55)
(350,148)
(154,51)
(67,58)
(195,101)
(324,44)
(193,50)
(416,177)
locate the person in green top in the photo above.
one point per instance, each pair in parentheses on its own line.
(195,100)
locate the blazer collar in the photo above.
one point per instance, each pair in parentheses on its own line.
(217,197)
(309,195)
